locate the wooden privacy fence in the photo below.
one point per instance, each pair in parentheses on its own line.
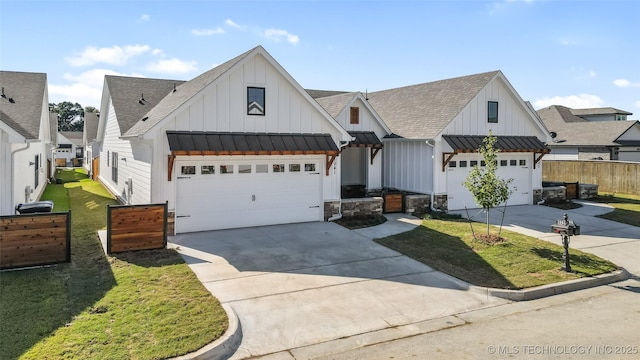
(35,239)
(610,176)
(136,227)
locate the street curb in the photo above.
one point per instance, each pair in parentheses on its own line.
(554,289)
(223,347)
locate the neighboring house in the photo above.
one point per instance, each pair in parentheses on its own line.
(576,138)
(438,126)
(90,144)
(243,144)
(69,147)
(361,159)
(25,138)
(601,114)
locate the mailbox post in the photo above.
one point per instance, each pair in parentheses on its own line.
(566,228)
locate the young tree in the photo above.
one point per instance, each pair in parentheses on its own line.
(488,189)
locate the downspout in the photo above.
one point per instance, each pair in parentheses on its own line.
(339,215)
(433,189)
(13,152)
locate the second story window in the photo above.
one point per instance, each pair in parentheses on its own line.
(354,116)
(492,112)
(255,101)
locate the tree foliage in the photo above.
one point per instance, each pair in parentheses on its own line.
(488,189)
(70,116)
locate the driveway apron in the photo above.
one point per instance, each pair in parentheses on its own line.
(301,284)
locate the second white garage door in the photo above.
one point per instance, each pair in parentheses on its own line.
(515,166)
(223,194)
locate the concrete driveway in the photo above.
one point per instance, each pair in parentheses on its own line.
(302,284)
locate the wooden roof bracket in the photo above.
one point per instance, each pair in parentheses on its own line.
(446,157)
(331,157)
(374,152)
(536,160)
(172,159)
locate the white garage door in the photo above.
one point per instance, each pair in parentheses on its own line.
(223,194)
(513,166)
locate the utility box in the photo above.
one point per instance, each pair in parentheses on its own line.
(35,207)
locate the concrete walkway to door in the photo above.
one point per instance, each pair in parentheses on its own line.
(297,285)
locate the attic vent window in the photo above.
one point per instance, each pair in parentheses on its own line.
(255,101)
(354,117)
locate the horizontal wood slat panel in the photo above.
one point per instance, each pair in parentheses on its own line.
(610,176)
(34,239)
(136,227)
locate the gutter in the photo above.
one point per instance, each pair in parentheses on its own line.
(13,152)
(433,190)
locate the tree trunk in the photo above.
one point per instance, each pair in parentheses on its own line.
(487,209)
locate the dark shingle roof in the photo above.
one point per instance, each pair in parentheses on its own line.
(422,111)
(27,91)
(126,92)
(573,130)
(183,93)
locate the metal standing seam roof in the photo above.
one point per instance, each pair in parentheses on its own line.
(187,142)
(471,143)
(21,105)
(365,139)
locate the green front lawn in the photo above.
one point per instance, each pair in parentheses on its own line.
(521,262)
(626,208)
(138,305)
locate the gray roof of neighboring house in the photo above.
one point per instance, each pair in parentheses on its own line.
(599,111)
(126,93)
(27,91)
(172,100)
(91,126)
(335,103)
(573,130)
(74,136)
(422,111)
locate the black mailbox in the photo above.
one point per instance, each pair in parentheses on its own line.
(569,229)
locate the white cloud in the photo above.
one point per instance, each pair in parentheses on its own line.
(592,74)
(637,104)
(207,32)
(233,24)
(499,6)
(85,88)
(114,55)
(145,17)
(572,101)
(278,34)
(625,83)
(172,66)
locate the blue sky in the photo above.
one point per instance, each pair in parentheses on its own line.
(573,53)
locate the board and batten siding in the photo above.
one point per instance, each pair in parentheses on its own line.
(408,165)
(514,119)
(222,107)
(135,167)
